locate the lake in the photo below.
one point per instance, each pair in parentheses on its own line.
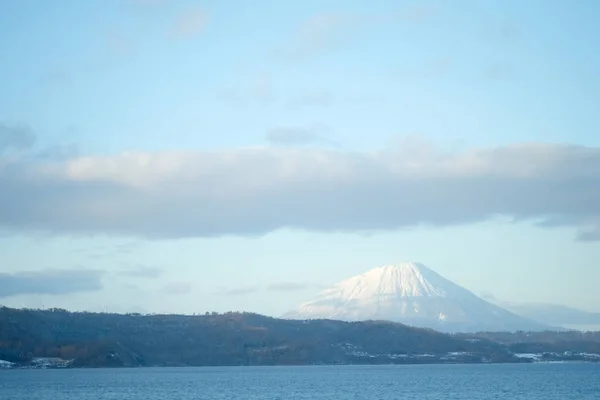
(473,382)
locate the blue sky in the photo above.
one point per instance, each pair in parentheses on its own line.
(185,156)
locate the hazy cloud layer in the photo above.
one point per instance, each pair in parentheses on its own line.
(50,281)
(253,191)
(16,137)
(591,235)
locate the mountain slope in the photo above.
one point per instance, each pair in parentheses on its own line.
(412,294)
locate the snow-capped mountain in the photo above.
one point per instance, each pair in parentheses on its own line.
(412,294)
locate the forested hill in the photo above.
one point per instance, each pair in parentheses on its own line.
(115,340)
(544,342)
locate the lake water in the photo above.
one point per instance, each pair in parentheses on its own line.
(472,382)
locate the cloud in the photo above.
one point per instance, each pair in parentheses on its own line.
(141,271)
(190,23)
(59,152)
(489,296)
(257,190)
(590,235)
(50,281)
(16,137)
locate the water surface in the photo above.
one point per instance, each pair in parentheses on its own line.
(473,382)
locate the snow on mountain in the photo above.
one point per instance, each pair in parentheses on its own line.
(412,294)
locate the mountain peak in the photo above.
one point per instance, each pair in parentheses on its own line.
(413,294)
(403,267)
(406,279)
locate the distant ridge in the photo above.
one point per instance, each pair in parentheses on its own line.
(553,314)
(413,294)
(58,339)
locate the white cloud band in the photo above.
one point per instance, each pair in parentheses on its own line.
(253,191)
